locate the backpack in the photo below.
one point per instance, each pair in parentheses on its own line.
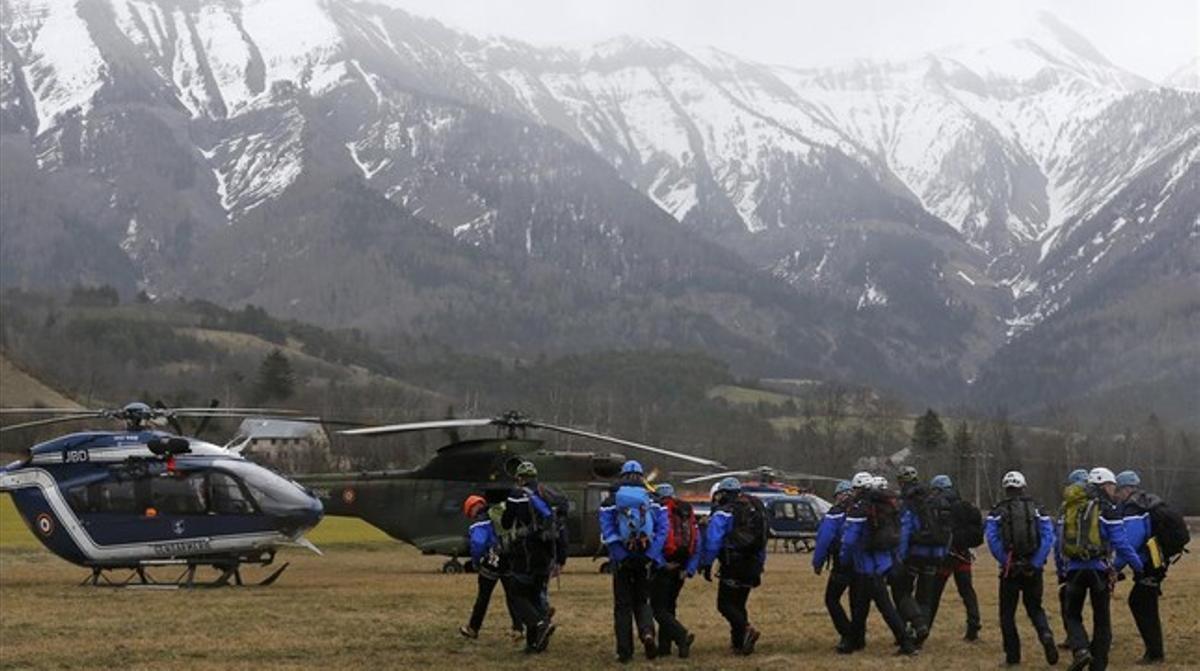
(505,538)
(749,531)
(635,521)
(1081,525)
(559,504)
(882,510)
(1019,530)
(1166,524)
(683,534)
(966,525)
(932,510)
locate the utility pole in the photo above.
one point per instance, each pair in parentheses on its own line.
(980,458)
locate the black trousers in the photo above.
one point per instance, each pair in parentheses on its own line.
(1083,585)
(966,592)
(664,596)
(631,602)
(487,584)
(731,603)
(525,599)
(1027,588)
(912,587)
(1143,603)
(839,583)
(867,589)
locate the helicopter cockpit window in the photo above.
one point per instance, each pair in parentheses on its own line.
(109,496)
(274,493)
(227,496)
(175,495)
(785,510)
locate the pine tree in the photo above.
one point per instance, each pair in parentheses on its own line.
(276,381)
(928,434)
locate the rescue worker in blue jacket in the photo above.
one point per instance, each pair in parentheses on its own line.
(829,536)
(530,522)
(1021,567)
(490,565)
(912,587)
(1076,477)
(871,569)
(1093,577)
(1143,597)
(668,581)
(626,515)
(741,564)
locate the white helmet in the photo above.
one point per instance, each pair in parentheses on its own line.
(861,480)
(1101,476)
(879,482)
(1013,479)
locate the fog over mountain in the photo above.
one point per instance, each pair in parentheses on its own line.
(1017,224)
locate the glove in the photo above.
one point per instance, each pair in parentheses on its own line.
(691,574)
(817,569)
(708,573)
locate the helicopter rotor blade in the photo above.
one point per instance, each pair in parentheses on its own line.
(389,429)
(175,425)
(715,476)
(196,412)
(205,419)
(44,411)
(808,476)
(51,420)
(626,443)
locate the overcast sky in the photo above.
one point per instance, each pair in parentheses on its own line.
(1149,37)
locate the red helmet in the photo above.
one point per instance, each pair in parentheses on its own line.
(472,501)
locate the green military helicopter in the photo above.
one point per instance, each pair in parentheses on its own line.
(423,506)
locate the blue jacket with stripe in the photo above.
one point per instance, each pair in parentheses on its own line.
(1138,531)
(829,537)
(1112,532)
(853,551)
(719,525)
(610,533)
(995,540)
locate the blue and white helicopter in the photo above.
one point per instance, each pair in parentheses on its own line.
(141,499)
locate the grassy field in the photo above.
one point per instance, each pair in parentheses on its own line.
(372,602)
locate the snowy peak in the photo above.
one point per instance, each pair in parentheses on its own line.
(1187,77)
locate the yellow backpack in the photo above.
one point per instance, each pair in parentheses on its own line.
(1081,525)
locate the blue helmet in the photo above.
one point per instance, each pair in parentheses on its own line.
(842,487)
(1128,479)
(730,484)
(1078,477)
(665,490)
(632,466)
(941,482)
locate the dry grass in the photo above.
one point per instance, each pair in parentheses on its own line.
(22,390)
(375,603)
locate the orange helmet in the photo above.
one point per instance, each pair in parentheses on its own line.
(472,501)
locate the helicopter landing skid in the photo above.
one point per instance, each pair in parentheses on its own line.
(139,577)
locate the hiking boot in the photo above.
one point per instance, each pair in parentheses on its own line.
(972,633)
(908,649)
(517,635)
(1049,648)
(846,647)
(1082,659)
(752,636)
(467,632)
(921,634)
(544,631)
(624,659)
(650,643)
(685,648)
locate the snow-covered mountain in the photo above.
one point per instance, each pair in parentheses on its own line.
(935,208)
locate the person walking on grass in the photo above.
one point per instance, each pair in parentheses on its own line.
(1020,537)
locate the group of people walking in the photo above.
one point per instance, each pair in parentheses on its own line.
(654,544)
(899,549)
(894,549)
